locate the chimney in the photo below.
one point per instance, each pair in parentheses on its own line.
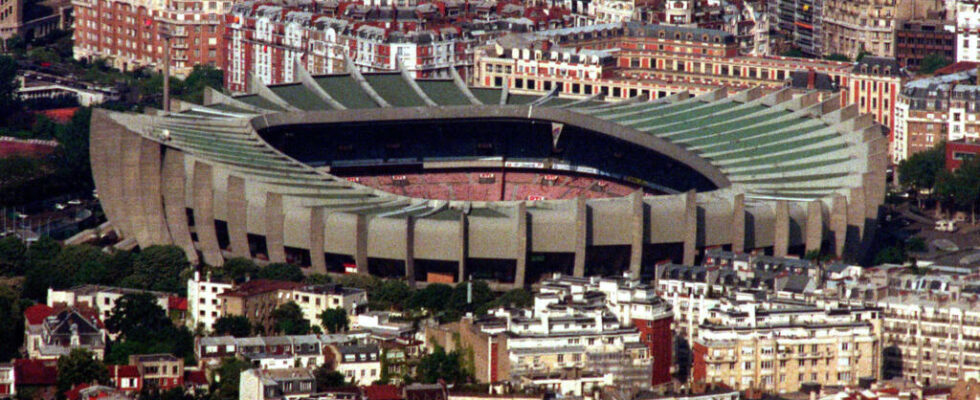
(811,79)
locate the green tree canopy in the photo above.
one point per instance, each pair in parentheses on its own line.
(441,365)
(327,379)
(80,366)
(434,297)
(234,325)
(226,377)
(288,320)
(13,256)
(137,316)
(920,170)
(12,329)
(334,320)
(392,293)
(158,268)
(933,61)
(238,268)
(9,102)
(481,295)
(281,272)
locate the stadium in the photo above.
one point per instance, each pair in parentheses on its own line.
(435,181)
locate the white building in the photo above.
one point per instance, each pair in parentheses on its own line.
(359,364)
(7,380)
(203,305)
(315,299)
(278,384)
(101,298)
(967,30)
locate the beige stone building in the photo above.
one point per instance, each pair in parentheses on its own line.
(780,347)
(853,26)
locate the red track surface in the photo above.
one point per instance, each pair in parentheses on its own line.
(25,148)
(502,186)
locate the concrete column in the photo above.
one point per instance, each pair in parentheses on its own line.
(636,234)
(274,221)
(463,252)
(132,190)
(203,194)
(360,250)
(156,223)
(410,250)
(690,227)
(520,245)
(317,260)
(174,208)
(838,223)
(237,216)
(738,223)
(106,161)
(780,242)
(814,225)
(856,214)
(581,232)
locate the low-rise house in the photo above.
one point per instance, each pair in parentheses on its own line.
(126,378)
(314,299)
(97,392)
(276,384)
(159,371)
(8,378)
(359,364)
(50,333)
(37,376)
(302,350)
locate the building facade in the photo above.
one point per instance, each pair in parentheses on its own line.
(778,346)
(128,33)
(204,307)
(916,39)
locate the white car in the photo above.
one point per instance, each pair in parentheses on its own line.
(75,202)
(59,206)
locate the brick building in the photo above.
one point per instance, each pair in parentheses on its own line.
(960,151)
(427,40)
(935,109)
(851,27)
(127,33)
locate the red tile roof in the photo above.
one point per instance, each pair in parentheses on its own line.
(35,373)
(177,303)
(74,394)
(123,371)
(957,67)
(382,392)
(37,313)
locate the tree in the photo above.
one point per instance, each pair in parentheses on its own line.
(9,102)
(327,378)
(441,365)
(480,293)
(890,255)
(391,293)
(334,320)
(931,62)
(916,244)
(234,325)
(239,268)
(158,268)
(138,317)
(201,77)
(317,279)
(227,376)
(11,331)
(85,263)
(80,366)
(13,256)
(288,320)
(837,57)
(433,298)
(919,171)
(516,298)
(281,272)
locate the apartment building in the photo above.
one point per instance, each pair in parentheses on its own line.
(779,346)
(314,299)
(269,384)
(426,41)
(917,39)
(203,304)
(128,33)
(935,109)
(634,304)
(851,27)
(660,60)
(799,24)
(967,15)
(932,339)
(256,300)
(100,298)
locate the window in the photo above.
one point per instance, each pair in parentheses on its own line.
(747,365)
